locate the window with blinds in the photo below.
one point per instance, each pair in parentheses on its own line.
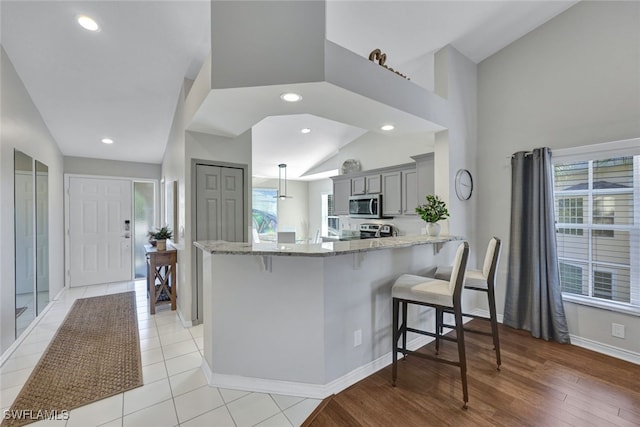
(597,206)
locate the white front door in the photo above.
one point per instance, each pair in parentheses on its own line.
(99,231)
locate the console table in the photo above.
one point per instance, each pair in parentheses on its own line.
(162,279)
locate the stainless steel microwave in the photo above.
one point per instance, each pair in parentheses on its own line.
(367,206)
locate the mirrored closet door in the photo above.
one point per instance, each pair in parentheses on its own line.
(42,236)
(31,218)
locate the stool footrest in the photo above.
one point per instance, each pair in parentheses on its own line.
(427,356)
(473,331)
(419,331)
(431,334)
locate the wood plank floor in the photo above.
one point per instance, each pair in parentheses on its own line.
(541,384)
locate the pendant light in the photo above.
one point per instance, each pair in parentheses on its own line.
(282,184)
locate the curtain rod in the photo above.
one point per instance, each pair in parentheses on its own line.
(526,154)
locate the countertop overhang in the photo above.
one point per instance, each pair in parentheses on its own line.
(325,249)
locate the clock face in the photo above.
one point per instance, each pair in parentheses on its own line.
(464,184)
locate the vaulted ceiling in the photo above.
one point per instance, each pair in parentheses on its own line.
(123,81)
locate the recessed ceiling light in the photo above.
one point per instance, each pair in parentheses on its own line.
(387,127)
(291,97)
(87,23)
(107,140)
(305,130)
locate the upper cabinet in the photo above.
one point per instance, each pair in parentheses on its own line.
(368,184)
(425,169)
(400,189)
(392,193)
(341,193)
(403,187)
(409,192)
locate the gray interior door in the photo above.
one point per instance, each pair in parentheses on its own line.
(219,211)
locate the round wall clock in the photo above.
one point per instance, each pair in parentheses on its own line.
(464,184)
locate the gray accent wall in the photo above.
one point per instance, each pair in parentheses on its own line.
(571,82)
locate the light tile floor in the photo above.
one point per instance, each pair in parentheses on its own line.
(175,391)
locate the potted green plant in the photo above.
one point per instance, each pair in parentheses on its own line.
(431,212)
(161,235)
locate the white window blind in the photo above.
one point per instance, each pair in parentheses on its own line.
(597,210)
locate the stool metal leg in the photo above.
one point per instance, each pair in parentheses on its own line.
(494,325)
(462,354)
(405,309)
(439,317)
(394,339)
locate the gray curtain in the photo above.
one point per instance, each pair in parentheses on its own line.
(533,297)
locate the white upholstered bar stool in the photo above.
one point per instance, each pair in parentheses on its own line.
(483,281)
(440,294)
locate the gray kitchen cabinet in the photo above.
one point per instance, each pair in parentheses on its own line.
(367,184)
(373,184)
(409,191)
(403,187)
(392,193)
(341,193)
(425,167)
(358,185)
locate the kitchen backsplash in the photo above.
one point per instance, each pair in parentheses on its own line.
(405,225)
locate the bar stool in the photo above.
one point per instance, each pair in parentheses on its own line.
(483,281)
(441,294)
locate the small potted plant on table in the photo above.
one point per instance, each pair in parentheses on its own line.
(161,235)
(431,212)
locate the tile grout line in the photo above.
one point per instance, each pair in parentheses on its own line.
(70,295)
(166,369)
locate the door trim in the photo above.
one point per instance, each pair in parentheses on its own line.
(195,314)
(67,178)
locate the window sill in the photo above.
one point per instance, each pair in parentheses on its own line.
(617,307)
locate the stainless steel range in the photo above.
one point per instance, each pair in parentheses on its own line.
(372,231)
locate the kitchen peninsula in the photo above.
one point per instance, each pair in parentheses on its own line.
(306,319)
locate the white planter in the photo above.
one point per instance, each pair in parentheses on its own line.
(433,229)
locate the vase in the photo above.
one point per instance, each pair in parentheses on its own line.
(162,245)
(433,229)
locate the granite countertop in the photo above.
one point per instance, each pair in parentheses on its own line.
(319,249)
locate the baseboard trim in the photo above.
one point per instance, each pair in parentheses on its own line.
(314,391)
(598,347)
(609,350)
(14,345)
(185,323)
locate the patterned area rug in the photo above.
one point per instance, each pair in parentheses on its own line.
(95,354)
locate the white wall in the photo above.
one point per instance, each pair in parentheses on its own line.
(420,70)
(574,81)
(253,43)
(455,80)
(22,128)
(88,166)
(174,169)
(375,150)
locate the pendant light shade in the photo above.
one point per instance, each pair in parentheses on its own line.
(282,182)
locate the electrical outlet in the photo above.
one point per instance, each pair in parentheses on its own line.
(617,330)
(357,338)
